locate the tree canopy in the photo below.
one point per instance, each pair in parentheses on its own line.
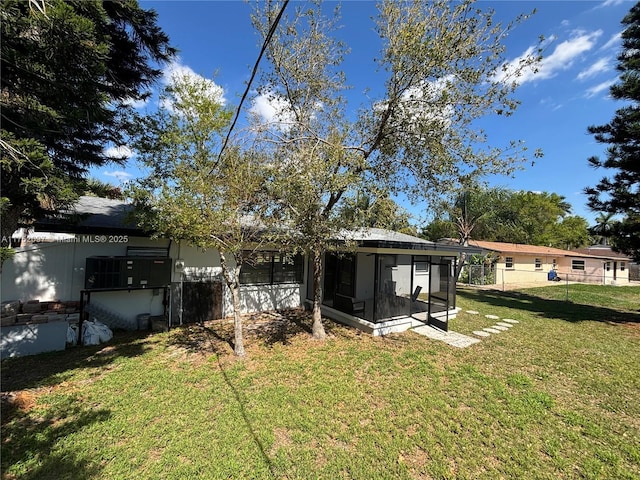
(620,194)
(501,215)
(442,67)
(71,71)
(189,193)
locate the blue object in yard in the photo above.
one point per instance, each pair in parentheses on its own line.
(552,275)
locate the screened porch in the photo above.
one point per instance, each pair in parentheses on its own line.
(379,287)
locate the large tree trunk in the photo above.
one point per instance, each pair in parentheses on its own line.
(232,278)
(317,328)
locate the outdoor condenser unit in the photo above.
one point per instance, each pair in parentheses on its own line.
(127,272)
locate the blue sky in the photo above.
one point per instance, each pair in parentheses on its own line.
(569,92)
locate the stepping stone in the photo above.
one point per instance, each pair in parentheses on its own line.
(491,330)
(492,317)
(481,333)
(452,338)
(503,324)
(473,312)
(498,327)
(509,320)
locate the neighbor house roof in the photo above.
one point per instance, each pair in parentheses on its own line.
(522,249)
(603,251)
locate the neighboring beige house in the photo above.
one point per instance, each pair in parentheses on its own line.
(523,264)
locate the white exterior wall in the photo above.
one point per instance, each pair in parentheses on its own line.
(401,275)
(365,275)
(421,279)
(56,271)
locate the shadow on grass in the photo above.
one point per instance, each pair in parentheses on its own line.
(548,308)
(267,328)
(29,441)
(48,369)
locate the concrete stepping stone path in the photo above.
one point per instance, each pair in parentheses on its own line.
(492,317)
(504,324)
(491,330)
(509,320)
(481,333)
(452,338)
(498,327)
(473,312)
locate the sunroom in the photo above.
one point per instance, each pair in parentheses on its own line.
(390,282)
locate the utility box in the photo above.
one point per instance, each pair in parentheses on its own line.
(127,272)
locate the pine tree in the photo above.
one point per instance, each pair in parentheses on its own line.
(70,72)
(620,194)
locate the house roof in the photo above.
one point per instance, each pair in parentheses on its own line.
(603,251)
(92,215)
(382,238)
(518,248)
(112,217)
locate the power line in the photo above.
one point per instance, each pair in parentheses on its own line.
(265,44)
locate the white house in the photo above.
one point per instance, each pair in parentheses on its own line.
(388,282)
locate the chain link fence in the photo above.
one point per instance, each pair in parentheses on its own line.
(510,279)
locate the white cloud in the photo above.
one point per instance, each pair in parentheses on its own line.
(274,110)
(121,175)
(137,104)
(593,91)
(119,152)
(600,66)
(562,58)
(613,41)
(176,70)
(611,3)
(428,93)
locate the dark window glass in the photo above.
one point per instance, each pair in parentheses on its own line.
(266,268)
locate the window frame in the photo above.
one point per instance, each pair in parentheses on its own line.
(575,262)
(272,268)
(509,263)
(537,262)
(622,266)
(421,271)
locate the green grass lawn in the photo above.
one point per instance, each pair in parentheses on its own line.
(555,396)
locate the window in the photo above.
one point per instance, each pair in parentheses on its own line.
(508,262)
(422,267)
(577,264)
(622,266)
(608,266)
(538,263)
(268,268)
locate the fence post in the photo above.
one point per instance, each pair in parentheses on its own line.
(502,279)
(567,288)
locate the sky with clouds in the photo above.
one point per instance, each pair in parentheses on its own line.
(567,92)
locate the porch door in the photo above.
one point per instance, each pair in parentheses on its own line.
(442,292)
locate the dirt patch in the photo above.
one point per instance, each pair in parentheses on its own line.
(13,403)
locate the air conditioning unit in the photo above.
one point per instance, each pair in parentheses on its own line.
(127,272)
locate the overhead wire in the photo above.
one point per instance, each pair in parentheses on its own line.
(265,44)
